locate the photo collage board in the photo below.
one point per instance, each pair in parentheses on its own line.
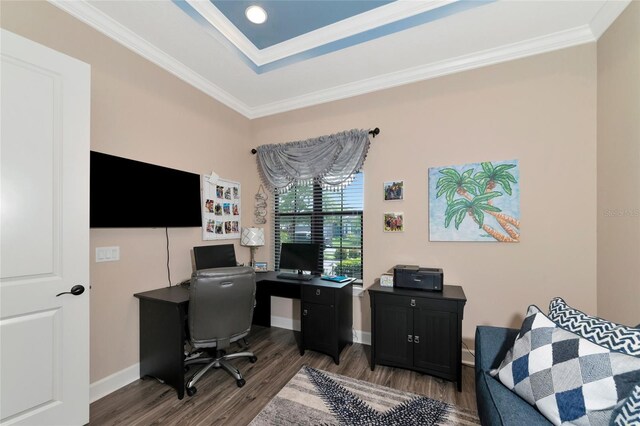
(220,209)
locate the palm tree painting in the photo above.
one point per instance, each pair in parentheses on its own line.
(475,202)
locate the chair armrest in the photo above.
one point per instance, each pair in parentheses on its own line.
(492,344)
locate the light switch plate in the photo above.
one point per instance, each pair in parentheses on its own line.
(107,254)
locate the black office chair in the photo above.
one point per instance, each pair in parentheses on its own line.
(221,302)
(217,256)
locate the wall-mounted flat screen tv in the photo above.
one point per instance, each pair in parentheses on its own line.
(131,194)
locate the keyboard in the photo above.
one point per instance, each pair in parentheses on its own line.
(294,276)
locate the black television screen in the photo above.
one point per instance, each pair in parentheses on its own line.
(302,257)
(131,194)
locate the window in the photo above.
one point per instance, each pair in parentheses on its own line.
(309,214)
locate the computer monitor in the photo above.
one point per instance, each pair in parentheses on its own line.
(218,256)
(300,257)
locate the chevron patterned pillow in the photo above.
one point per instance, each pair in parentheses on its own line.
(616,337)
(628,414)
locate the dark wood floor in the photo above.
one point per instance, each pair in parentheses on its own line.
(219,401)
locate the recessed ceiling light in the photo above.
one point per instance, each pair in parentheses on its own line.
(256,14)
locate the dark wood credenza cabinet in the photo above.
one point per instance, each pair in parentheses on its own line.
(418,330)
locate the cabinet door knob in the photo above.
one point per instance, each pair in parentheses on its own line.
(416,339)
(318,292)
(413,302)
(409,338)
(304,312)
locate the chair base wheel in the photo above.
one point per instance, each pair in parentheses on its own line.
(191,391)
(240,383)
(253,359)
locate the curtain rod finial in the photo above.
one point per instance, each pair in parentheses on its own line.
(375,132)
(253,151)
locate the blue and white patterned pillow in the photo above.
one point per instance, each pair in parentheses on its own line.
(628,414)
(614,336)
(568,378)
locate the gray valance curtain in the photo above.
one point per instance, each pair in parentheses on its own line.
(331,161)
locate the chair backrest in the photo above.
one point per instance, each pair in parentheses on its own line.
(217,256)
(221,302)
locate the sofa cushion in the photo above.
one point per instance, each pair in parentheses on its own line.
(568,378)
(498,406)
(492,344)
(614,336)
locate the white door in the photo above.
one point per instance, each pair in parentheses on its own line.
(44,202)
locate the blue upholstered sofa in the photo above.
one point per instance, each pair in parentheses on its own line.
(497,405)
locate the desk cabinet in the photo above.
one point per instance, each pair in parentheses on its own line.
(163,315)
(418,330)
(327,318)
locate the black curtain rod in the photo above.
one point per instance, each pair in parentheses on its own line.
(373,133)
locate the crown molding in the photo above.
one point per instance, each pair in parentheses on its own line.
(358,24)
(531,47)
(606,15)
(95,18)
(90,15)
(221,23)
(378,17)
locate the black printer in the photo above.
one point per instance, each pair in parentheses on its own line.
(418,278)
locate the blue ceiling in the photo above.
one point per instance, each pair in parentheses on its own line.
(290,18)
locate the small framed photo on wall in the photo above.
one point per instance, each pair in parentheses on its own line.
(394,222)
(394,190)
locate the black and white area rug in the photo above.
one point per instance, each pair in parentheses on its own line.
(315,397)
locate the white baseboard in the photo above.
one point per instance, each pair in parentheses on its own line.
(359,336)
(362,337)
(286,323)
(112,383)
(469,357)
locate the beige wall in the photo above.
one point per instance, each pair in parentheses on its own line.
(541,111)
(619,169)
(142,112)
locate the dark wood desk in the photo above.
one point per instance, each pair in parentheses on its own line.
(326,326)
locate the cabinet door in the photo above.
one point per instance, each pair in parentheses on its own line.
(318,325)
(393,330)
(435,333)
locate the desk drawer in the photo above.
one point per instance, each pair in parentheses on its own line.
(320,295)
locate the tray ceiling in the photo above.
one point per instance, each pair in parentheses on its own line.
(314,51)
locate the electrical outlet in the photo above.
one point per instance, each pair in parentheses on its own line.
(107,254)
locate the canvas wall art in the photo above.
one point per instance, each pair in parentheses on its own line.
(475,202)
